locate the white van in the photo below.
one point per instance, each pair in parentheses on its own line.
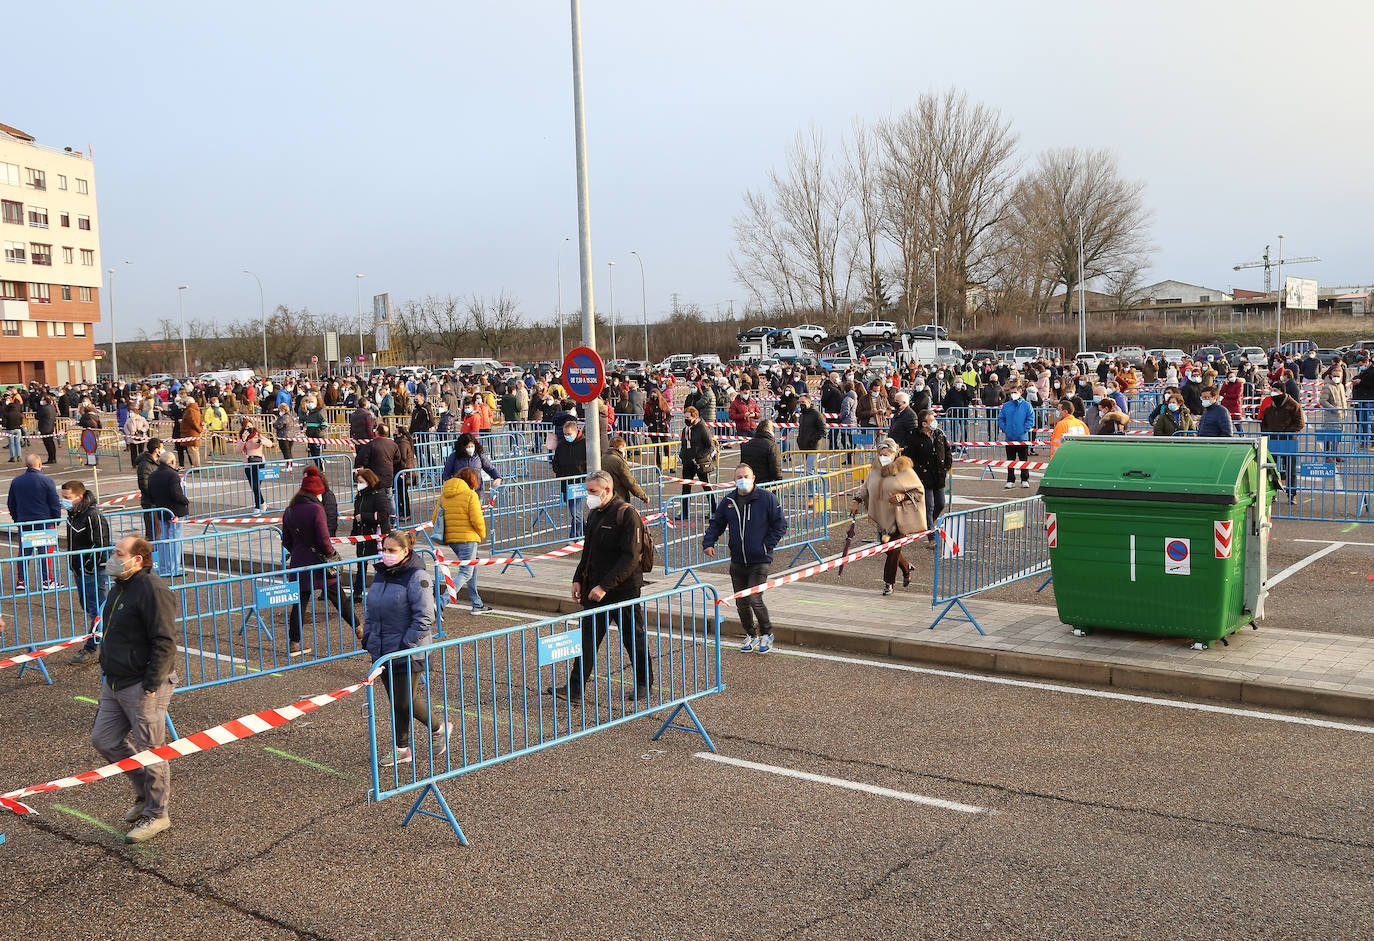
(472,365)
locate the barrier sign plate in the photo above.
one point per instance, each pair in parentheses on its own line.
(41,539)
(277,596)
(559,647)
(270,473)
(577,491)
(584,375)
(1316,469)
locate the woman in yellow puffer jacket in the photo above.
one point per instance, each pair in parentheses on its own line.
(463,529)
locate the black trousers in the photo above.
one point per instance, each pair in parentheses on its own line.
(333,591)
(632,636)
(1017,452)
(753,614)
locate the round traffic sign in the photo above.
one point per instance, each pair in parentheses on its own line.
(348,360)
(584,375)
(361,357)
(1177,549)
(314,360)
(90,441)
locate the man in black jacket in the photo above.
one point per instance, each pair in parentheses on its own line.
(88,532)
(137,660)
(810,430)
(607,575)
(170,506)
(762,453)
(147,463)
(903,425)
(697,453)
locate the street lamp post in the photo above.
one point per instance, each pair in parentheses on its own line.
(644,307)
(610,274)
(114,343)
(558,264)
(584,223)
(262,316)
(935,288)
(181,310)
(1278,300)
(358,292)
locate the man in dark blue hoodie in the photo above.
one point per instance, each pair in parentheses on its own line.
(756,525)
(34,505)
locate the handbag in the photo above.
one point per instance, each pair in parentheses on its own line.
(439,523)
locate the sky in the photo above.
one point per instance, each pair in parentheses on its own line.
(429,145)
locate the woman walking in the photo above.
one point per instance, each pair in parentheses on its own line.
(371,516)
(305,535)
(932,461)
(895,499)
(251,445)
(401,616)
(458,524)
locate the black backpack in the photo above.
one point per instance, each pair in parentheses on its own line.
(646,539)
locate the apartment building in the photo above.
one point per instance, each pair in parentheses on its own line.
(50,274)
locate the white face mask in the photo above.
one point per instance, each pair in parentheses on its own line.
(934,425)
(1015,396)
(471,449)
(359,485)
(885,459)
(594,501)
(744,484)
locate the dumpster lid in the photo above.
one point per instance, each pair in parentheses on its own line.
(1173,470)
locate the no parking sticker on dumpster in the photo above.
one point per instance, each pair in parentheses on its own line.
(1221,538)
(1178,557)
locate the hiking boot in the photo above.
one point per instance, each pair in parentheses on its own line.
(85,655)
(147,828)
(134,813)
(563,692)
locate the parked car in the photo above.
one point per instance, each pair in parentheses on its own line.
(754,333)
(928,330)
(839,362)
(874,330)
(1174,356)
(1131,354)
(1215,353)
(1026,354)
(1091,358)
(809,331)
(836,348)
(982,354)
(1327,357)
(158,378)
(1253,355)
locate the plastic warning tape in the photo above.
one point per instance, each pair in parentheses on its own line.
(231,731)
(1011,465)
(39,654)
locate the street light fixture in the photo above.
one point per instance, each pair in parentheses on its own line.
(1278,301)
(262,316)
(358,292)
(114,343)
(181,310)
(558,263)
(644,306)
(610,273)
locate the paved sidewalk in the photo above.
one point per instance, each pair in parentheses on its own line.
(1272,666)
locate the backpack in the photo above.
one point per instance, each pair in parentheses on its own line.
(646,539)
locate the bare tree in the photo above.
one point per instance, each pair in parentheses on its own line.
(495,323)
(410,331)
(866,235)
(450,326)
(762,263)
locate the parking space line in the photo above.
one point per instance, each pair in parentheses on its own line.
(305,761)
(1301,564)
(216,656)
(847,785)
(87,699)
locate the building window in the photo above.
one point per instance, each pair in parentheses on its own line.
(78,329)
(14,252)
(85,295)
(38,217)
(1202,299)
(66,292)
(57,329)
(66,220)
(83,222)
(11,291)
(40,254)
(9,328)
(81,186)
(13,211)
(37,179)
(29,329)
(39,293)
(61,182)
(68,255)
(88,256)
(9,173)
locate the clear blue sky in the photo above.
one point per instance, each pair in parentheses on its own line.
(429,145)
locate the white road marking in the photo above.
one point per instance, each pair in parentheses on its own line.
(847,785)
(212,655)
(1343,542)
(1303,563)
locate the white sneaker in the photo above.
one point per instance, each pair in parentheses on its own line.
(1025,484)
(445,731)
(748,644)
(402,756)
(1010,484)
(765,643)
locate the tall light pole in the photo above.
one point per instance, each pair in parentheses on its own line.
(935,287)
(1278,300)
(262,316)
(558,264)
(185,369)
(358,292)
(644,307)
(1082,308)
(584,223)
(114,343)
(610,275)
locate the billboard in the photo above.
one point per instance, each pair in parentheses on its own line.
(331,346)
(1300,293)
(383,331)
(381,308)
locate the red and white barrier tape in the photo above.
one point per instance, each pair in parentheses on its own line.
(1010,465)
(230,731)
(39,654)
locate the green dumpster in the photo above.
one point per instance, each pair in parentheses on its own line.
(1160,536)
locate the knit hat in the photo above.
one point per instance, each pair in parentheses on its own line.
(313,482)
(889,444)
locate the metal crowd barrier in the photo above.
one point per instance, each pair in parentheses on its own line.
(226,489)
(485,694)
(987,547)
(109,444)
(416,490)
(804,506)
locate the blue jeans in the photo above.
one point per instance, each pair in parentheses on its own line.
(466,574)
(90,592)
(576,514)
(16,442)
(167,549)
(1364,415)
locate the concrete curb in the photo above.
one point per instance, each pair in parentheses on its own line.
(1012,663)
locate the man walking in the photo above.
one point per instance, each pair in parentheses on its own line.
(32,501)
(137,656)
(756,525)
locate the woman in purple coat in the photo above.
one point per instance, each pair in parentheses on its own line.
(305,536)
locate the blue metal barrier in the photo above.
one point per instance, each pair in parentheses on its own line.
(482,699)
(226,489)
(987,547)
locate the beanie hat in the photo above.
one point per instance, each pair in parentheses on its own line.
(313,483)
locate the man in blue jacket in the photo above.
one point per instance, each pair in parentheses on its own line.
(33,499)
(1016,420)
(1215,421)
(756,524)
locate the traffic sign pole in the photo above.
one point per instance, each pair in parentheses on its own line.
(584,224)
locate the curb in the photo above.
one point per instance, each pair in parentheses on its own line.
(1064,669)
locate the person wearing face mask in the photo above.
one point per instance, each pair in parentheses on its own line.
(570,461)
(754,521)
(1215,421)
(458,523)
(932,460)
(379,455)
(1068,426)
(315,425)
(371,516)
(253,447)
(873,410)
(168,499)
(609,574)
(468,452)
(216,421)
(1016,422)
(192,428)
(744,412)
(285,427)
(401,615)
(1281,418)
(306,537)
(895,498)
(137,665)
(919,397)
(696,453)
(903,420)
(1174,417)
(88,542)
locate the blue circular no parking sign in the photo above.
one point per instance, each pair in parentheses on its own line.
(584,375)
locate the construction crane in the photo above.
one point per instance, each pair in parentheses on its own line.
(1265,263)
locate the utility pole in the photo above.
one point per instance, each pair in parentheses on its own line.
(1082,308)
(592,426)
